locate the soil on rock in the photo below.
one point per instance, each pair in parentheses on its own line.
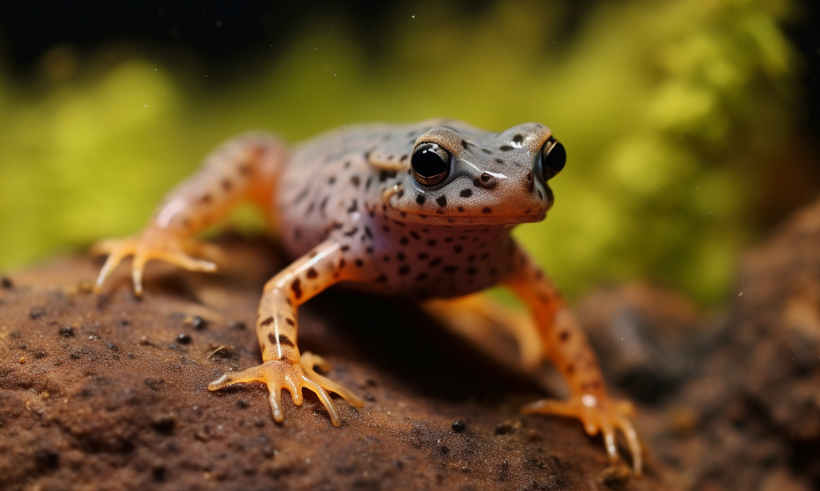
(105,391)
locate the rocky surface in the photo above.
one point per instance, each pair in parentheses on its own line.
(104,391)
(109,392)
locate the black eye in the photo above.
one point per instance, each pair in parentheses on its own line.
(553,158)
(430,163)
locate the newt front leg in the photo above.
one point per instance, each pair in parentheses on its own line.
(565,344)
(283,367)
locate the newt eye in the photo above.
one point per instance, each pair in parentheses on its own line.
(553,158)
(430,164)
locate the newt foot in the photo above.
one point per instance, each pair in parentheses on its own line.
(148,245)
(597,415)
(285,374)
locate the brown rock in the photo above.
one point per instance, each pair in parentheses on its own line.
(112,394)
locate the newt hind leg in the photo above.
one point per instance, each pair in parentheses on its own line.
(244,168)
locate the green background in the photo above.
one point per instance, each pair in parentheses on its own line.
(680,119)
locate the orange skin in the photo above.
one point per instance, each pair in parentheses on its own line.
(352,208)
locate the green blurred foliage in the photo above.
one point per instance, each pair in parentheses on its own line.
(670,111)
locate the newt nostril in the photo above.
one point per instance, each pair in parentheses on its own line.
(485,180)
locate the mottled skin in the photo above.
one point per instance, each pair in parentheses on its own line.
(350,208)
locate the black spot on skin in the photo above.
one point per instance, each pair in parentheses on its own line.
(461,209)
(403,158)
(369,250)
(359,263)
(570,369)
(442,201)
(563,336)
(471,271)
(206,198)
(400,194)
(368,182)
(420,199)
(226,184)
(486,210)
(431,242)
(368,233)
(505,148)
(404,270)
(488,152)
(499,161)
(450,269)
(423,256)
(457,249)
(332,180)
(245,169)
(386,174)
(466,193)
(266,322)
(518,138)
(422,277)
(297,233)
(354,206)
(296,287)
(342,263)
(355,181)
(283,340)
(484,256)
(485,180)
(345,248)
(471,258)
(400,224)
(312,274)
(381,279)
(290,321)
(448,239)
(435,262)
(464,144)
(351,233)
(404,240)
(400,256)
(415,235)
(347,164)
(301,196)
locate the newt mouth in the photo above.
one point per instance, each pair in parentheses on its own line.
(470,219)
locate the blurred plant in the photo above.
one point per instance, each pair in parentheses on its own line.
(670,112)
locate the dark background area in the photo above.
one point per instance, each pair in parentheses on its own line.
(227,35)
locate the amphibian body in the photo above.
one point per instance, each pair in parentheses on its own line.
(423,210)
